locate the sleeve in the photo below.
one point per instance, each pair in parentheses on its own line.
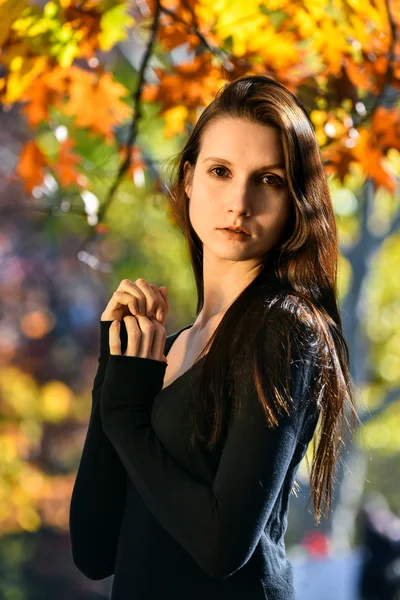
(98,495)
(218,525)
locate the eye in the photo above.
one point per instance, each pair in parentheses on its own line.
(217,169)
(278,180)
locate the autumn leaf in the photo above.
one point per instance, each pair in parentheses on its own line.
(371,158)
(21,75)
(337,159)
(175,119)
(114,23)
(386,124)
(94,99)
(95,102)
(9,11)
(84,17)
(65,164)
(38,98)
(316,51)
(31,166)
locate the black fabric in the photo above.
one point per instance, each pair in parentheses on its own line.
(169,522)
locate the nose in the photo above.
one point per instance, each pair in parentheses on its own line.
(239,201)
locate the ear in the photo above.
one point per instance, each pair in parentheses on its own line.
(188,186)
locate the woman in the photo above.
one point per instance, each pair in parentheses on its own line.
(195,439)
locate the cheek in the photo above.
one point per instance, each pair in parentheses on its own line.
(197,213)
(285,221)
(277,219)
(201,204)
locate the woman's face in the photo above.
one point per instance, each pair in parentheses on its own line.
(245,186)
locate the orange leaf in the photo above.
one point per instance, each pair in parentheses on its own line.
(48,90)
(386,125)
(371,158)
(338,160)
(65,164)
(39,98)
(31,166)
(95,101)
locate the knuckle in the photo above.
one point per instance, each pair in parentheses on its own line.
(129,319)
(147,325)
(140,280)
(131,323)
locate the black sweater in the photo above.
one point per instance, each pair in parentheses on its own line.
(174,523)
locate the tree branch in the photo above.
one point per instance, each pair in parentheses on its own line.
(126,163)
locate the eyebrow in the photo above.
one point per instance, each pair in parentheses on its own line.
(225,160)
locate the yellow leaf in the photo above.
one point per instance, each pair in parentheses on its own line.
(114,23)
(21,78)
(10,10)
(175,120)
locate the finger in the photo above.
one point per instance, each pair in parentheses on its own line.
(134,336)
(114,338)
(159,339)
(164,293)
(129,287)
(155,303)
(162,308)
(146,329)
(146,338)
(147,301)
(129,300)
(151,294)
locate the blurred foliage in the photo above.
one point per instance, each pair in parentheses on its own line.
(335,56)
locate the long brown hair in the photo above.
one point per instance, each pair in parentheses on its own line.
(291,307)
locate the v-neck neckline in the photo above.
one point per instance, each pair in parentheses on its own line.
(185,373)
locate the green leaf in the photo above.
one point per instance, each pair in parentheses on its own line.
(48,143)
(114,23)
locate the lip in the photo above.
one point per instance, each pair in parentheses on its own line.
(232,228)
(240,237)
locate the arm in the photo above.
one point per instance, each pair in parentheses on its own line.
(218,525)
(98,496)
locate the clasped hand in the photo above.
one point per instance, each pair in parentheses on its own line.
(146,334)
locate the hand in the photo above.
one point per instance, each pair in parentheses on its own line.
(139,298)
(146,338)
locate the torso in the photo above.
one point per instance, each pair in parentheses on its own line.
(183,353)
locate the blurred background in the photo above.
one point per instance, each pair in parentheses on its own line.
(96,96)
